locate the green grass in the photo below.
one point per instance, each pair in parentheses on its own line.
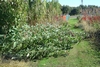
(72,21)
(82,55)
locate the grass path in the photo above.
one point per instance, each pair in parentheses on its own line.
(80,56)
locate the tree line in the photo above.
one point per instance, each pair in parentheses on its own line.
(76,10)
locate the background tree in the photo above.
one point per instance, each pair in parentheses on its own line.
(74,11)
(65,9)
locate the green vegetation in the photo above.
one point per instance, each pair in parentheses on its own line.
(30,32)
(65,9)
(19,12)
(74,11)
(28,37)
(12,13)
(39,41)
(78,10)
(82,54)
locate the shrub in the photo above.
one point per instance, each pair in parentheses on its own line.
(96,35)
(12,13)
(39,41)
(7,15)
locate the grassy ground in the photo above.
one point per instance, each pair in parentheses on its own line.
(72,23)
(81,55)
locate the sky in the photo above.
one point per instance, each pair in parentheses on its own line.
(75,3)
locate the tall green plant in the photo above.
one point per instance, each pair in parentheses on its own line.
(43,11)
(12,12)
(7,15)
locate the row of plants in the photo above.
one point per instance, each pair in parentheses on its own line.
(40,41)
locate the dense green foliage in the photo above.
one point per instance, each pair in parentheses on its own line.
(7,15)
(39,41)
(12,13)
(74,12)
(19,12)
(65,9)
(70,10)
(24,40)
(43,11)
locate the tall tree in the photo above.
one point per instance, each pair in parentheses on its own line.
(74,11)
(65,9)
